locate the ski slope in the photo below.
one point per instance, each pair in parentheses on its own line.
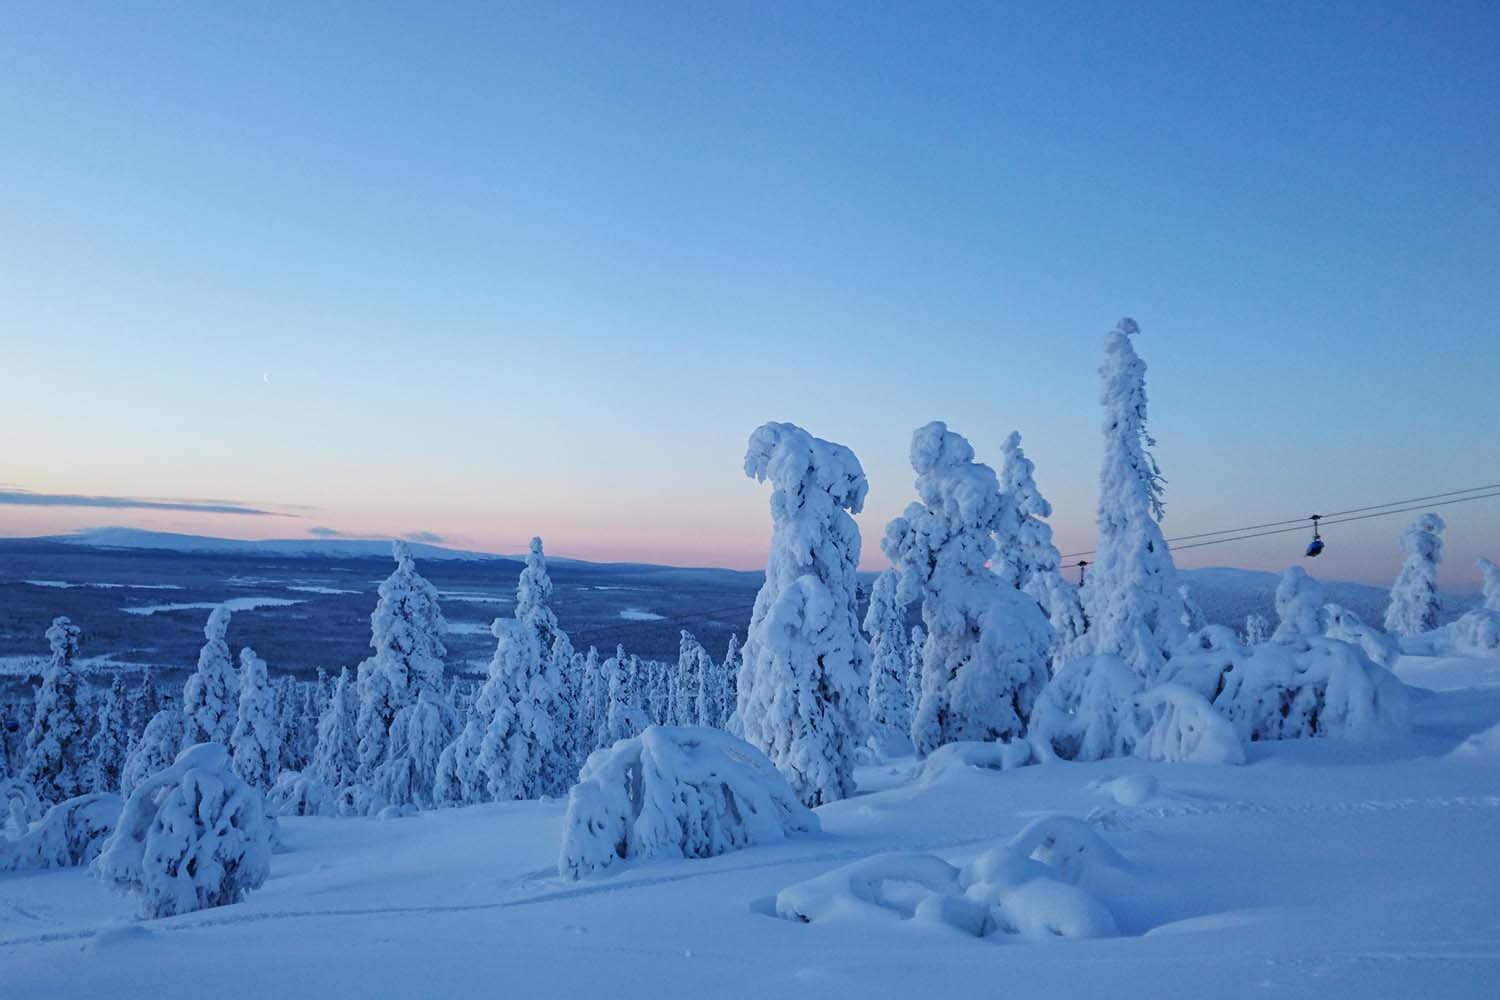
(1319,869)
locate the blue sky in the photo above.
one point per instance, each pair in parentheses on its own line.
(488,271)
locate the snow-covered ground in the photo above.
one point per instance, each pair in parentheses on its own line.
(1319,869)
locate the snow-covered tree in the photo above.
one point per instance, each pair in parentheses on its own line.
(156,749)
(1414,597)
(1299,599)
(190,837)
(1130,595)
(256,743)
(144,703)
(890,707)
(1024,554)
(420,733)
(802,692)
(985,657)
(624,715)
(1491,587)
(336,758)
(566,710)
(57,767)
(691,657)
(593,700)
(211,695)
(406,631)
(730,674)
(1257,629)
(111,738)
(534,612)
(915,649)
(713,685)
(520,742)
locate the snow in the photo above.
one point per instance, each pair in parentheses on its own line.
(66,585)
(314,589)
(232,603)
(633,615)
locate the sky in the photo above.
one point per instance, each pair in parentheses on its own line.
(478,271)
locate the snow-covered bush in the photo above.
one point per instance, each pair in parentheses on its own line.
(111,738)
(1299,602)
(1299,687)
(406,631)
(967,755)
(1024,554)
(300,793)
(57,766)
(1257,629)
(1414,596)
(1344,625)
(1130,595)
(256,742)
(985,657)
(1477,633)
(1490,574)
(802,687)
(1036,886)
(890,711)
(157,748)
(189,837)
(676,792)
(210,696)
(1098,707)
(71,833)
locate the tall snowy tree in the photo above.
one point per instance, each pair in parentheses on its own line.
(520,742)
(57,742)
(1414,597)
(336,758)
(210,698)
(1130,596)
(256,742)
(593,700)
(406,631)
(806,666)
(566,709)
(144,702)
(915,650)
(733,660)
(1024,554)
(624,715)
(688,680)
(890,709)
(713,684)
(111,738)
(1491,587)
(534,612)
(1299,599)
(985,658)
(155,750)
(418,737)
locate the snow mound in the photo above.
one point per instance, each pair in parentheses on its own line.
(1097,707)
(1028,887)
(190,837)
(675,792)
(1483,745)
(966,755)
(1291,688)
(71,833)
(1129,790)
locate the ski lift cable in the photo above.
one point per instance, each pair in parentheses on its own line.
(1325,520)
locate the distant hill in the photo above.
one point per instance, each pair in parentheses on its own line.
(327,548)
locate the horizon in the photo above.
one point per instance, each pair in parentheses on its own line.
(473,275)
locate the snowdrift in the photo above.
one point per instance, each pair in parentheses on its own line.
(1030,887)
(675,792)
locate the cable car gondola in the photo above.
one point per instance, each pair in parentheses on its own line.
(1315,547)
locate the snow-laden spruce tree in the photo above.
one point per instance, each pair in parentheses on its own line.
(713,685)
(1414,597)
(624,714)
(1024,554)
(406,632)
(1299,599)
(57,746)
(593,700)
(256,743)
(1130,594)
(915,649)
(1257,629)
(418,737)
(567,709)
(729,672)
(688,679)
(111,738)
(519,747)
(890,707)
(336,757)
(210,698)
(802,691)
(656,690)
(155,750)
(534,612)
(145,702)
(985,658)
(1491,586)
(191,836)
